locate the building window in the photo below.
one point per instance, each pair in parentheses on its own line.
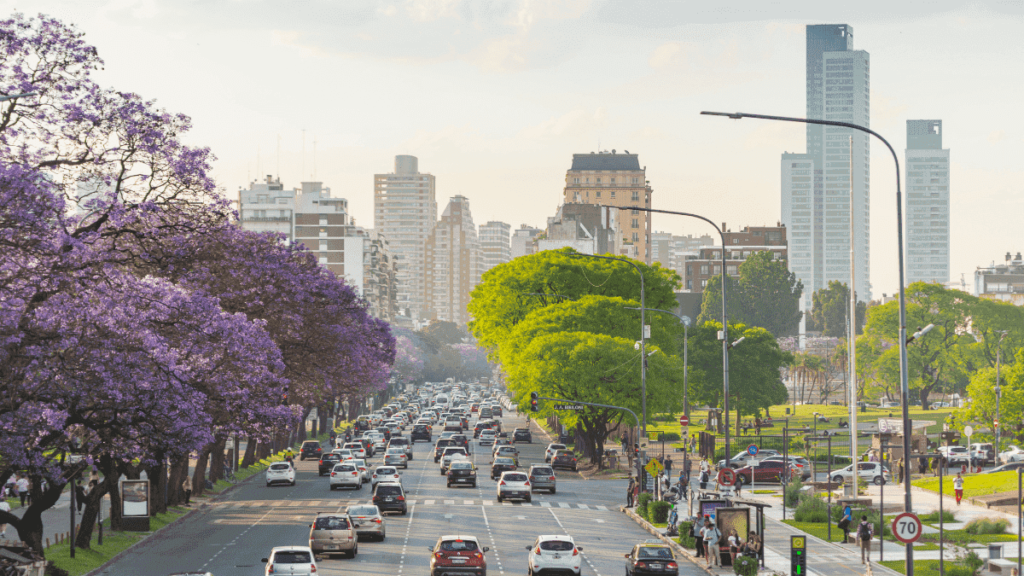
(598,180)
(598,193)
(732,270)
(613,193)
(636,237)
(704,269)
(636,223)
(613,180)
(635,196)
(636,180)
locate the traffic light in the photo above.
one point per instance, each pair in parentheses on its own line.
(534,406)
(284,397)
(636,449)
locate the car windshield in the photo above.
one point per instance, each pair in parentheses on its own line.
(556,447)
(363,511)
(292,557)
(331,523)
(556,545)
(280,467)
(515,477)
(458,546)
(541,472)
(652,552)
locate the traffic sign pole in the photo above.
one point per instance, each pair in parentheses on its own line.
(906,527)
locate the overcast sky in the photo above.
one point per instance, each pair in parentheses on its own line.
(494,97)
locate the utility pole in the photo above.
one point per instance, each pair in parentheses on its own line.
(851,343)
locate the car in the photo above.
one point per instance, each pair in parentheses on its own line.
(869,471)
(474,408)
(651,557)
(439,447)
(461,440)
(1011,454)
(551,449)
(368,521)
(310,449)
(280,473)
(357,448)
(501,440)
(421,432)
(390,497)
(514,485)
(403,443)
(327,463)
(450,454)
(955,454)
(485,412)
(551,554)
(487,437)
(364,470)
(385,432)
(344,453)
(542,478)
(564,459)
(385,474)
(345,474)
(396,457)
(501,465)
(801,465)
(766,471)
(457,555)
(505,450)
(984,452)
(461,473)
(522,435)
(496,410)
(332,533)
(291,560)
(480,426)
(741,458)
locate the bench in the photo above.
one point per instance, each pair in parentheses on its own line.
(1001,566)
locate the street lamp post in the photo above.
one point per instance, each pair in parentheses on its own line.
(904,382)
(685,321)
(999,389)
(724,334)
(643,331)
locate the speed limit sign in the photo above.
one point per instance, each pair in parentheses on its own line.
(906,527)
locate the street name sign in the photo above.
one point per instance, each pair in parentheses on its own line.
(568,406)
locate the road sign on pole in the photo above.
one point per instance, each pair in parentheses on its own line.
(752,449)
(906,527)
(797,556)
(654,467)
(726,476)
(684,420)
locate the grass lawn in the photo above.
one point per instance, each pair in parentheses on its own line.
(113,543)
(818,529)
(921,567)
(974,484)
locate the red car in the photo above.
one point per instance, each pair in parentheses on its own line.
(766,471)
(458,555)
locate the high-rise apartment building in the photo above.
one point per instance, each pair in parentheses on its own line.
(927,166)
(404,211)
(522,240)
(453,265)
(614,179)
(495,244)
(739,246)
(818,205)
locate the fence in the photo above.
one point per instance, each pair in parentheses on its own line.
(816,450)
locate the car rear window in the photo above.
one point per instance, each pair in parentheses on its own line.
(389,490)
(331,523)
(515,477)
(363,511)
(331,457)
(556,545)
(542,472)
(280,467)
(653,552)
(311,444)
(557,447)
(503,460)
(458,546)
(462,465)
(296,557)
(344,468)
(386,471)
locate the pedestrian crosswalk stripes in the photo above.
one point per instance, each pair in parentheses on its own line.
(333,504)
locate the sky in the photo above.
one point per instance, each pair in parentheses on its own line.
(494,97)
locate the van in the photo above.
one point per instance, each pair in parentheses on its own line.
(441,400)
(333,534)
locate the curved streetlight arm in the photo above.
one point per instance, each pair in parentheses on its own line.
(643,327)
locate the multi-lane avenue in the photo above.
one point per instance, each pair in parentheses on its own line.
(229,537)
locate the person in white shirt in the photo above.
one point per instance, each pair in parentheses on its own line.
(4,507)
(958,487)
(22,485)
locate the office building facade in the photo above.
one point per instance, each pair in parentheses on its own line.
(927,190)
(495,244)
(523,240)
(453,264)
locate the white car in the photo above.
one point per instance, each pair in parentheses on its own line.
(357,449)
(550,452)
(451,454)
(396,457)
(869,471)
(364,472)
(345,453)
(296,560)
(555,554)
(385,474)
(1011,454)
(514,486)
(487,437)
(346,474)
(281,473)
(956,454)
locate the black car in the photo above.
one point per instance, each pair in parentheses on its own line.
(310,449)
(421,432)
(481,426)
(502,464)
(564,459)
(522,435)
(327,462)
(461,440)
(440,446)
(652,557)
(390,497)
(385,431)
(462,472)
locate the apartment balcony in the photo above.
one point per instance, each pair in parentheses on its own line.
(267,219)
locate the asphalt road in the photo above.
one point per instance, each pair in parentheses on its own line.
(230,537)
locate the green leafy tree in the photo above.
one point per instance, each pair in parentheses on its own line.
(982,408)
(766,294)
(830,310)
(445,332)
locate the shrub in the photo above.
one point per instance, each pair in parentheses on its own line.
(686,538)
(668,437)
(986,526)
(947,516)
(642,503)
(745,566)
(953,569)
(658,511)
(792,494)
(811,510)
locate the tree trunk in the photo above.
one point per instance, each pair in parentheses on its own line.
(158,485)
(217,459)
(353,407)
(30,525)
(199,476)
(250,453)
(111,473)
(93,501)
(306,411)
(179,471)
(262,450)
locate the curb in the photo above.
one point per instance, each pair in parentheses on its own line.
(675,545)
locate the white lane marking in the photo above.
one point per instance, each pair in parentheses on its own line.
(545,504)
(225,547)
(428,502)
(468,502)
(449,502)
(494,545)
(584,507)
(602,508)
(582,554)
(563,505)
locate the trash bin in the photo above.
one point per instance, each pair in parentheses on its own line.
(995,551)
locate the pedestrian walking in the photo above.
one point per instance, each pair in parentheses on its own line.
(4,507)
(23,486)
(79,495)
(664,485)
(687,467)
(698,538)
(629,492)
(712,536)
(668,466)
(704,478)
(844,523)
(958,487)
(899,471)
(186,486)
(864,533)
(757,425)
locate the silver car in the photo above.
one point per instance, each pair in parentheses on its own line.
(542,478)
(291,560)
(368,521)
(333,534)
(449,453)
(396,457)
(344,475)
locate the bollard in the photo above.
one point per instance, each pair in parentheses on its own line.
(47,542)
